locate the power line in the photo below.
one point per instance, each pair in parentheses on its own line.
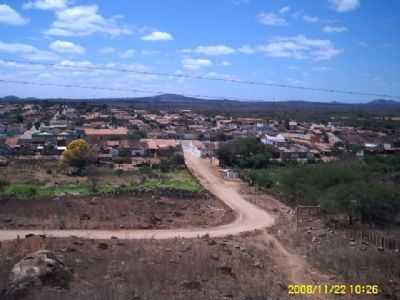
(199,77)
(23,82)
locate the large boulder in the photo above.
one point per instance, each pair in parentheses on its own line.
(42,268)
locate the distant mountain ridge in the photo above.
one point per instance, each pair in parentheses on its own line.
(176,98)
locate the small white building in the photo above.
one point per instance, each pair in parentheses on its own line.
(277,140)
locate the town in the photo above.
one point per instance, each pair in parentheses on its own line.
(126,138)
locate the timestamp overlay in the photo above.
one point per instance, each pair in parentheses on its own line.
(333,289)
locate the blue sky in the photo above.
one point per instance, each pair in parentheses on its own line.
(342,44)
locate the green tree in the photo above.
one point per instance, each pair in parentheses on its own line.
(244,153)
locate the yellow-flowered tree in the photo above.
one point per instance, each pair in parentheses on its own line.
(78,155)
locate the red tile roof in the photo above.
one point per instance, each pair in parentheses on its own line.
(106,131)
(160,144)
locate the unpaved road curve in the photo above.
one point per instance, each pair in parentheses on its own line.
(248,216)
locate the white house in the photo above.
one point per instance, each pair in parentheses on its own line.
(277,140)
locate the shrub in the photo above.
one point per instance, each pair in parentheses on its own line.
(3,184)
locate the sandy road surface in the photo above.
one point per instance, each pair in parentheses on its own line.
(248,216)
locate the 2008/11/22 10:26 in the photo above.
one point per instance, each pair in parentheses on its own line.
(335,289)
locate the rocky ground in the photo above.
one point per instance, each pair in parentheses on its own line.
(205,268)
(139,212)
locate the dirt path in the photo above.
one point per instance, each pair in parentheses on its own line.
(248,216)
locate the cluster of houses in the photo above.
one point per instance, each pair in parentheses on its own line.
(125,135)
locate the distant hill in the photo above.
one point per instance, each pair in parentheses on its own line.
(176,98)
(299,109)
(383,102)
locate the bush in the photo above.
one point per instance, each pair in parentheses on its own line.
(261,178)
(171,164)
(3,184)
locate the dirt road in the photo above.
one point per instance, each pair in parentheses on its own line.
(248,216)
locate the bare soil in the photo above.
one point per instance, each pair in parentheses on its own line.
(229,268)
(113,212)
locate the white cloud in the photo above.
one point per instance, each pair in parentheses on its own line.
(195,64)
(211,50)
(246,49)
(363,44)
(226,63)
(46,4)
(149,52)
(310,19)
(128,53)
(284,9)
(27,51)
(67,47)
(330,29)
(322,69)
(85,20)
(223,76)
(158,36)
(107,50)
(345,5)
(300,47)
(240,2)
(269,18)
(10,16)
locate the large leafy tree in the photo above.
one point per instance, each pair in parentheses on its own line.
(78,155)
(244,153)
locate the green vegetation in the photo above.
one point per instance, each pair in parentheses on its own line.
(136,135)
(173,163)
(180,180)
(358,189)
(247,153)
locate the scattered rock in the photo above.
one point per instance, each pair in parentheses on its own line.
(282,285)
(227,250)
(212,242)
(69,250)
(84,217)
(192,285)
(258,265)
(187,248)
(29,235)
(228,296)
(93,201)
(214,257)
(352,244)
(155,219)
(226,270)
(178,214)
(103,246)
(78,243)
